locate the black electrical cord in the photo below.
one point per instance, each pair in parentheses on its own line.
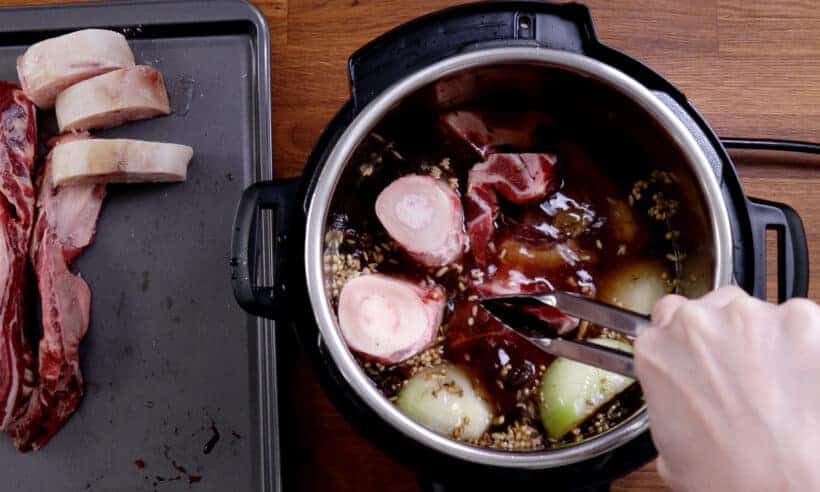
(767,144)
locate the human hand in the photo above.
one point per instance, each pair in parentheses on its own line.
(732,386)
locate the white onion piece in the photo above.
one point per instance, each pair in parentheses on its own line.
(443,399)
(636,286)
(623,221)
(387,319)
(129,94)
(48,67)
(425,217)
(571,391)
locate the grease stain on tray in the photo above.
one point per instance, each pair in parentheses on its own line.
(182,95)
(182,473)
(209,446)
(120,305)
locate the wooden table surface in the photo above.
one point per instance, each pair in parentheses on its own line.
(752,67)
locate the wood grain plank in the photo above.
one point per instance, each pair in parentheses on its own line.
(652,30)
(769,85)
(780,27)
(642,480)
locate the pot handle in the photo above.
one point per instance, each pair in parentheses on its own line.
(792,250)
(429,39)
(278,196)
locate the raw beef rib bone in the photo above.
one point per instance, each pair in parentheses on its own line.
(66,221)
(48,67)
(18,141)
(119,161)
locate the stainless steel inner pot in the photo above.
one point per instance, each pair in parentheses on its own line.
(664,136)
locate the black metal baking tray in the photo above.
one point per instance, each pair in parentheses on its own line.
(169,354)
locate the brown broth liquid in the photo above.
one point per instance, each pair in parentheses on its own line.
(590,219)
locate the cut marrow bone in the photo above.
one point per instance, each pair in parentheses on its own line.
(387,319)
(48,67)
(425,217)
(119,161)
(128,94)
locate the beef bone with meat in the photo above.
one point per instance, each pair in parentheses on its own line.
(519,178)
(488,133)
(65,226)
(52,65)
(424,216)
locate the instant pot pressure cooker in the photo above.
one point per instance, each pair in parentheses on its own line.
(527,41)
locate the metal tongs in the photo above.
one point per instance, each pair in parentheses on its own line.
(508,309)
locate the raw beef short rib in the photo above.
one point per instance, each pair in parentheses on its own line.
(65,225)
(17,144)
